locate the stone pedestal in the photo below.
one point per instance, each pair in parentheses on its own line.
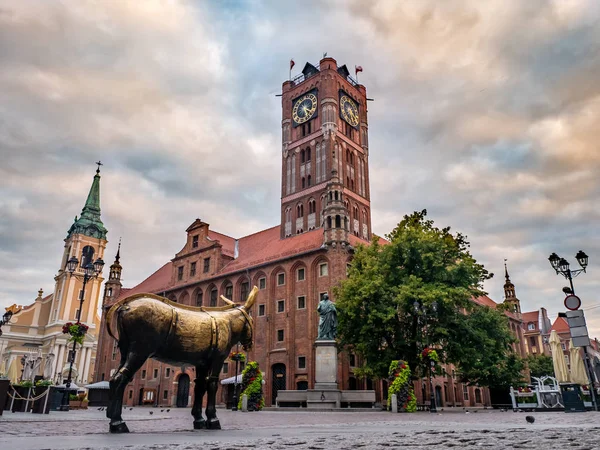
(326,394)
(325,365)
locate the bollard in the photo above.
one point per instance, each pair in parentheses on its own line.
(244,403)
(394,403)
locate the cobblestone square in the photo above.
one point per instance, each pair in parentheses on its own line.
(155,428)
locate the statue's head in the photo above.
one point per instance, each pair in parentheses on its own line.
(325,297)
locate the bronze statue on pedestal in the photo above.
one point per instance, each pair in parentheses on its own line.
(150,326)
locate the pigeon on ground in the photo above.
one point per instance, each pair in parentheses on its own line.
(467,412)
(530,419)
(161,410)
(130,409)
(99,409)
(168,410)
(151,412)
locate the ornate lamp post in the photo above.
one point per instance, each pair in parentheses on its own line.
(89,271)
(421,311)
(5,319)
(562,267)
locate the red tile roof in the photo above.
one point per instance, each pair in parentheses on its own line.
(484,300)
(227,242)
(154,283)
(531,316)
(266,246)
(560,325)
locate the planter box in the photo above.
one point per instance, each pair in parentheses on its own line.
(527,405)
(4,386)
(18,404)
(42,405)
(78,404)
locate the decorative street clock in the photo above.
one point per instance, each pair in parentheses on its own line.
(348,109)
(305,108)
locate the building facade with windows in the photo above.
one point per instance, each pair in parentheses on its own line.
(35,330)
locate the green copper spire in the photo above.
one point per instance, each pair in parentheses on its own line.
(89,223)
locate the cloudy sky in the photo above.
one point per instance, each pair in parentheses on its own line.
(485,113)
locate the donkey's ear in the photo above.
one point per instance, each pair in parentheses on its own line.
(251,298)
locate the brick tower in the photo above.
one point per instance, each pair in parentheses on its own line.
(325,149)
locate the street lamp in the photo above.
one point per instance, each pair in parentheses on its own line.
(5,319)
(420,310)
(89,271)
(235,380)
(561,266)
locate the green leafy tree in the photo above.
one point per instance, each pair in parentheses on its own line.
(422,264)
(540,365)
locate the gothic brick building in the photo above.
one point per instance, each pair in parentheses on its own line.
(325,213)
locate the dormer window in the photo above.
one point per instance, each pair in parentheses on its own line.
(195,241)
(531,326)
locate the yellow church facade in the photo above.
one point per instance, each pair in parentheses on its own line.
(32,343)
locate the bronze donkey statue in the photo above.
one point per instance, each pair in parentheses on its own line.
(150,326)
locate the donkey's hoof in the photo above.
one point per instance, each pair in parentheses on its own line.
(213,424)
(200,424)
(118,427)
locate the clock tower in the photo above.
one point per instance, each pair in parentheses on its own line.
(325,151)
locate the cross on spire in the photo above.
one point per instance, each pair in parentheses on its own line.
(99,164)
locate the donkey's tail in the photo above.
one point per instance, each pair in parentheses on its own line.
(109,318)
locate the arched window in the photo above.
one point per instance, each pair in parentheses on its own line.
(87,255)
(299,211)
(199,296)
(308,180)
(303,183)
(213,297)
(229,290)
(329,222)
(302,156)
(308,154)
(338,221)
(355,212)
(288,214)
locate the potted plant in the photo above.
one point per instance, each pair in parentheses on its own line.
(4,386)
(252,382)
(77,331)
(42,404)
(400,384)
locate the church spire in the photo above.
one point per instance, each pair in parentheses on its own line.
(89,223)
(509,292)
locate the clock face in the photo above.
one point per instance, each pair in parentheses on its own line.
(349,110)
(304,108)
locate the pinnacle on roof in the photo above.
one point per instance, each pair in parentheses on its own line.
(118,256)
(89,223)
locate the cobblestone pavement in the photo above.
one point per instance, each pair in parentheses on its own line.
(295,429)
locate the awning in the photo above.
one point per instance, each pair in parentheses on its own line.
(99,385)
(231,380)
(73,386)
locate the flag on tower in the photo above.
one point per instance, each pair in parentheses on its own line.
(358,69)
(292,64)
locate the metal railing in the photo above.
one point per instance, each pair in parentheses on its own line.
(300,78)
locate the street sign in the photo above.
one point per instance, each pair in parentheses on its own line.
(572,302)
(579,331)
